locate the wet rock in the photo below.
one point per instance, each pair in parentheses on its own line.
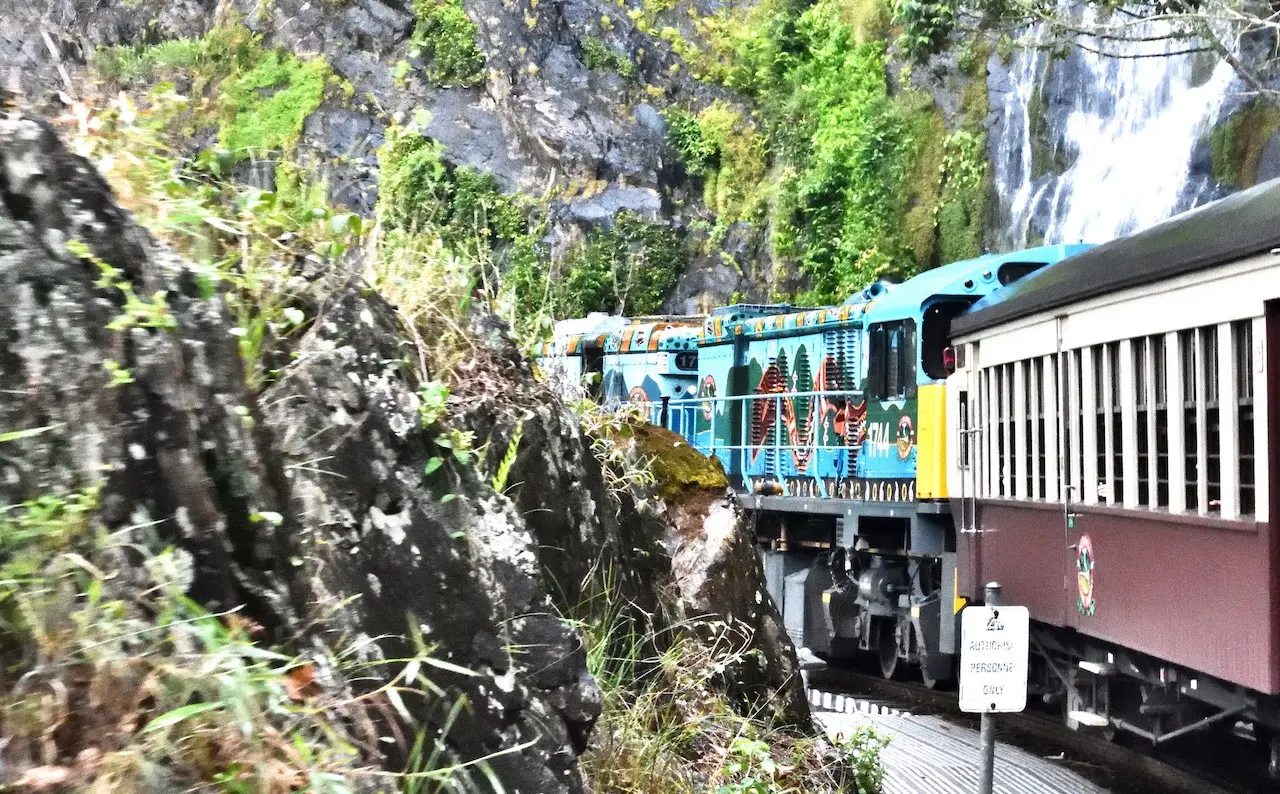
(719,576)
(599,209)
(1269,160)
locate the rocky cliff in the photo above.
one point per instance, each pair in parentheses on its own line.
(165,523)
(715,150)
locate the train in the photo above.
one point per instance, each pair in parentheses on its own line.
(1092,426)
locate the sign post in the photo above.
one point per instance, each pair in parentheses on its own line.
(995,642)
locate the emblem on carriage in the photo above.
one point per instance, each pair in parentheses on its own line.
(1085,564)
(708,389)
(638,395)
(906,437)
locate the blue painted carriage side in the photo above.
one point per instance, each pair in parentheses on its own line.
(805,443)
(717,426)
(905,435)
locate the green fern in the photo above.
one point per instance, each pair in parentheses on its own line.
(504,468)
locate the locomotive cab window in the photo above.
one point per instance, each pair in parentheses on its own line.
(891,370)
(935,331)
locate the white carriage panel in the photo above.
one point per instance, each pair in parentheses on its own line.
(1019,430)
(1001,347)
(1222,294)
(1035,379)
(1074,421)
(957,382)
(1262,475)
(1177,424)
(1202,427)
(1088,449)
(1006,437)
(1228,424)
(1049,388)
(1129,422)
(1108,473)
(1152,442)
(991,461)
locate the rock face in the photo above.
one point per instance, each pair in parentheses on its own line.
(540,119)
(319,505)
(176,445)
(464,572)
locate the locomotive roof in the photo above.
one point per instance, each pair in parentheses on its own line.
(1238,226)
(968,278)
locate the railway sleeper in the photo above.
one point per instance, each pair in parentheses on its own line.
(1111,690)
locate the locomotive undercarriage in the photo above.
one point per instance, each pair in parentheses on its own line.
(1116,692)
(854,587)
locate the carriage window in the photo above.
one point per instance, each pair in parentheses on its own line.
(1191,433)
(1015,270)
(1161,408)
(1212,431)
(876,370)
(1101,409)
(1141,385)
(1242,331)
(1117,424)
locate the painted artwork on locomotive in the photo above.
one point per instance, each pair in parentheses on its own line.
(833,402)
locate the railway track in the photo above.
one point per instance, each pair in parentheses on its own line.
(1229,764)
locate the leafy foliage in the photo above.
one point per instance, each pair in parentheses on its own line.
(599,55)
(627,268)
(851,193)
(925,25)
(849,180)
(685,138)
(266,106)
(446,37)
(419,191)
(262,96)
(667,726)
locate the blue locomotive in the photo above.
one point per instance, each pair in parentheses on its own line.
(830,423)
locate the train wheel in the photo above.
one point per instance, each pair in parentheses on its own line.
(887,645)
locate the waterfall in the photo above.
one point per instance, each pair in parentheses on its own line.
(1089,147)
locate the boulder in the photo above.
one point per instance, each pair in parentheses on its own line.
(327,513)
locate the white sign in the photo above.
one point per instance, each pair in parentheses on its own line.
(993,659)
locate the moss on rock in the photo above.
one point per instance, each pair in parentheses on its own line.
(735,190)
(1236,146)
(924,187)
(679,469)
(259,97)
(265,107)
(962,210)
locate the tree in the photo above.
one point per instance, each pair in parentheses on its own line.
(1143,29)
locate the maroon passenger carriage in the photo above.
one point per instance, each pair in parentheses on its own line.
(1112,435)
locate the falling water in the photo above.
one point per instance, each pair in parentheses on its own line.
(1114,138)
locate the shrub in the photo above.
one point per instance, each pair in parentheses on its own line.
(446,37)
